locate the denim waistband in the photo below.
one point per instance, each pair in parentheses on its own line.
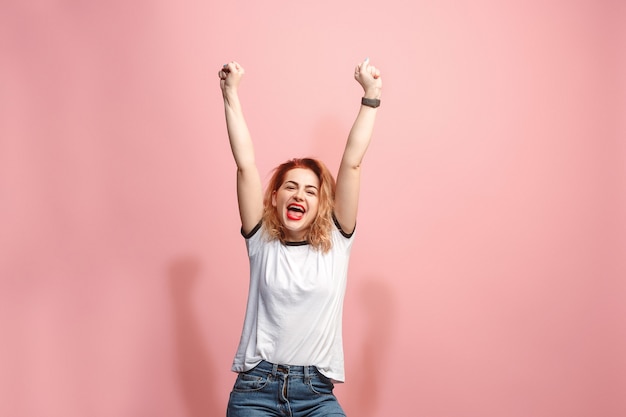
(274,369)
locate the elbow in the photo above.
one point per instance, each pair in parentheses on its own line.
(352,165)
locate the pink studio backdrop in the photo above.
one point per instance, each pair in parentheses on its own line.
(488,275)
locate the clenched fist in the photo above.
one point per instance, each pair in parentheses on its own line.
(369,77)
(230,76)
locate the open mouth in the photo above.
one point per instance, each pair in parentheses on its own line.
(295,211)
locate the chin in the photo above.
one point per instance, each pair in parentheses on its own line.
(301,230)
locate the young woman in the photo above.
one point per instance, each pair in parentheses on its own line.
(298,236)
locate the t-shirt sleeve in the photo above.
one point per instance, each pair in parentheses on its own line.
(344,234)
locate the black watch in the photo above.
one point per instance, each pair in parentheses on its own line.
(371,102)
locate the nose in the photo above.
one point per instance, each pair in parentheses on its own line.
(299,195)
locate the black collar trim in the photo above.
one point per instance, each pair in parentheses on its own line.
(301,243)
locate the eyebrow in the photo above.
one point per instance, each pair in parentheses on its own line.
(296,184)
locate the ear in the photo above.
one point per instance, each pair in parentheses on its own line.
(274,199)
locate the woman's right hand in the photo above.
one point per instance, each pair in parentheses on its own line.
(230,76)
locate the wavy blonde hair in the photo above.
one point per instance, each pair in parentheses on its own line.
(319,233)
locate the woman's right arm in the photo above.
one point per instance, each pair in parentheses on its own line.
(249,187)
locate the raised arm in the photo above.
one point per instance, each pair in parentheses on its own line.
(349,175)
(249,187)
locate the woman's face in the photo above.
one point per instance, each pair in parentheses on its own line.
(296,202)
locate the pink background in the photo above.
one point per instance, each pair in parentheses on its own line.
(488,277)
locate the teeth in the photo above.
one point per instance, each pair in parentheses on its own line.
(295,208)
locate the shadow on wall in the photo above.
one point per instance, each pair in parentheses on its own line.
(195,369)
(375,303)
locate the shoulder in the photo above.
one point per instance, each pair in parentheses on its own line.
(337,227)
(341,241)
(252,232)
(256,240)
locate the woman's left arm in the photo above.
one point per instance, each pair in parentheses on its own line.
(349,175)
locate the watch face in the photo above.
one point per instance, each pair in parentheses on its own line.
(371,102)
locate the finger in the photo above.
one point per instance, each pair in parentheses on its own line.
(366,62)
(363,68)
(234,66)
(371,71)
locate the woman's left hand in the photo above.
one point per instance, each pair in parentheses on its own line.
(369,77)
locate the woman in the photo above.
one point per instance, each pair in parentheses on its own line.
(298,236)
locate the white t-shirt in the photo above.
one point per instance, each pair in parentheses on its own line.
(295,304)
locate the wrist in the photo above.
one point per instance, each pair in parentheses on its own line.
(229,92)
(373,92)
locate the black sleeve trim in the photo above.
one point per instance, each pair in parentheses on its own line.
(252,232)
(344,234)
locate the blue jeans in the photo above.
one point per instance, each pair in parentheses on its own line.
(270,390)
